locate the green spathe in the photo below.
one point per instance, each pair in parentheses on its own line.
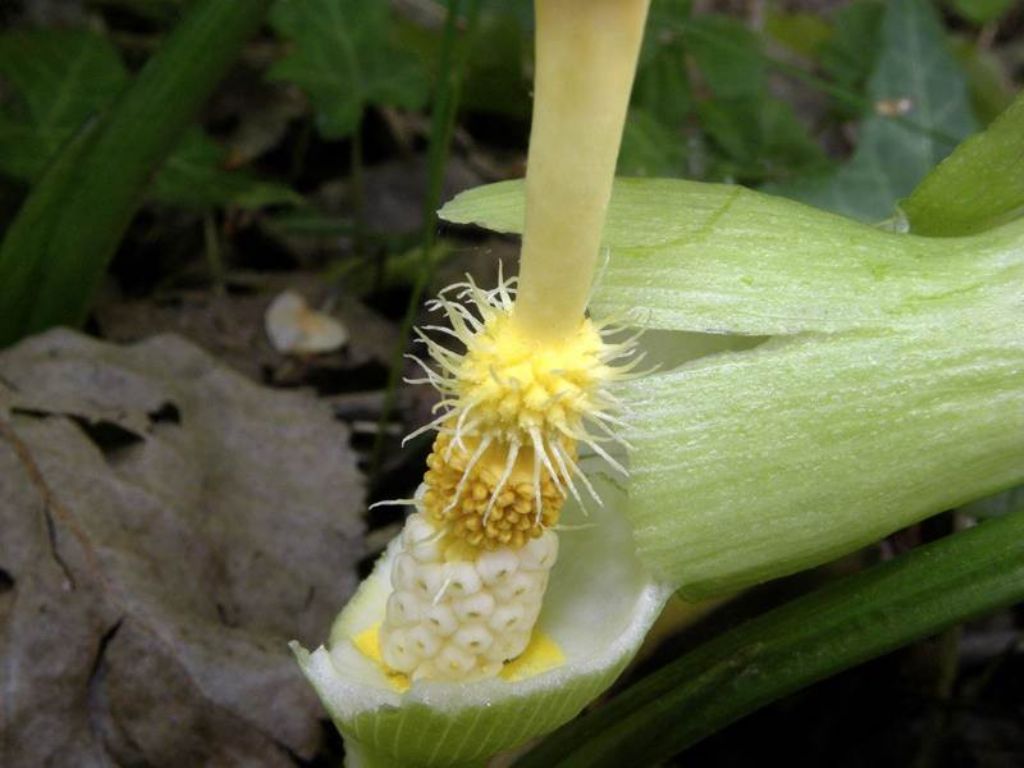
(714,258)
(748,466)
(598,608)
(894,387)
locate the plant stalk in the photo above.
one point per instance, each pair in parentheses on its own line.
(586,57)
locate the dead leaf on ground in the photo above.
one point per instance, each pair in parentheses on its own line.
(167,526)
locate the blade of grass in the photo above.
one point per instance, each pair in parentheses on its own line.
(56,250)
(842,625)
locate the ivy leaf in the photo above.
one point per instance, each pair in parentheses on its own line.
(343,59)
(922,110)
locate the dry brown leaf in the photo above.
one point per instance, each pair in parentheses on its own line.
(166,526)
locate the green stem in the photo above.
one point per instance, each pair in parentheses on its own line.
(57,268)
(846,623)
(451,68)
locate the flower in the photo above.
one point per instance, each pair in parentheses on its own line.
(456,599)
(872,329)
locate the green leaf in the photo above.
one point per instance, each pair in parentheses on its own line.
(850,54)
(786,146)
(751,466)
(732,76)
(495,78)
(756,135)
(898,342)
(804,33)
(649,147)
(981,11)
(195,176)
(844,624)
(919,80)
(342,58)
(723,259)
(989,77)
(55,252)
(979,186)
(662,86)
(728,54)
(63,77)
(23,151)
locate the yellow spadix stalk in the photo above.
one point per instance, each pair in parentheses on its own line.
(532,383)
(586,59)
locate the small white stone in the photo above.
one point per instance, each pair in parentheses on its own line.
(294,327)
(462,579)
(475,607)
(507,618)
(497,566)
(440,618)
(473,638)
(403,608)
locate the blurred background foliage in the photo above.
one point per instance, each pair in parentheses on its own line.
(844,105)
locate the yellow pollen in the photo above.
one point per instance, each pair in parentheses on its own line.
(483,504)
(514,409)
(515,384)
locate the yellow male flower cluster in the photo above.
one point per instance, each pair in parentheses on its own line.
(514,410)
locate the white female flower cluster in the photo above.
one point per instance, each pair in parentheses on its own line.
(450,618)
(515,410)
